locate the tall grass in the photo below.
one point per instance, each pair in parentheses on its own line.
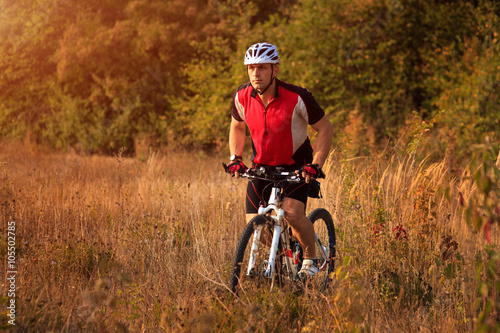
(118,244)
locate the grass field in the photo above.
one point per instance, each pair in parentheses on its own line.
(114,244)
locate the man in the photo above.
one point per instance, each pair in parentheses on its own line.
(277,115)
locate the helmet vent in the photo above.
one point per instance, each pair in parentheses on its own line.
(262,53)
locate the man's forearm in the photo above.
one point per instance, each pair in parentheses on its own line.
(236,139)
(322,148)
(324,142)
(323,145)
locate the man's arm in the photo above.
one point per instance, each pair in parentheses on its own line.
(237,137)
(324,142)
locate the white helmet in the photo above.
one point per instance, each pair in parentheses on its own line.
(262,53)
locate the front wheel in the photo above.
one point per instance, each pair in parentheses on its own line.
(325,243)
(241,278)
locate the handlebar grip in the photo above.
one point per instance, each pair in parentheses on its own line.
(226,168)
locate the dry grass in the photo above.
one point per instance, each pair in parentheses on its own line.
(116,244)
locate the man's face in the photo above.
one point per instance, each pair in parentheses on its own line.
(260,75)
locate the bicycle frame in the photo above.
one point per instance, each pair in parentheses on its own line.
(274,211)
(274,204)
(279,229)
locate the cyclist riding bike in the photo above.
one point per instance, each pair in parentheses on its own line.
(278,115)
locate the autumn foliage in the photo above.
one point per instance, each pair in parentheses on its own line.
(98,75)
(114,119)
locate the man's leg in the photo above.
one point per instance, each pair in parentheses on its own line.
(250,216)
(302,228)
(255,192)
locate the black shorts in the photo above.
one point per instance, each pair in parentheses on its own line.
(258,192)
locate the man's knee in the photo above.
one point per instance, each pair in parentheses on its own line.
(293,217)
(294,211)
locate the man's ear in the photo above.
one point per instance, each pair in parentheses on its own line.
(276,70)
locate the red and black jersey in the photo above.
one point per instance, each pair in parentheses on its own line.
(279,131)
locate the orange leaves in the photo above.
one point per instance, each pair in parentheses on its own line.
(399,232)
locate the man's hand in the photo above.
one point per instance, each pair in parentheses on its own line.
(311,171)
(236,167)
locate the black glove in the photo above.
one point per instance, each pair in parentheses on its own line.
(313,170)
(236,167)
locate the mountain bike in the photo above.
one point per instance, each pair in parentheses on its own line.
(280,261)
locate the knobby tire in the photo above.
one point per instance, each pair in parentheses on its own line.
(239,260)
(324,228)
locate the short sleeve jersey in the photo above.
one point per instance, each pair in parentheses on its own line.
(278,131)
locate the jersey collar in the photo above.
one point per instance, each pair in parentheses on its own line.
(276,94)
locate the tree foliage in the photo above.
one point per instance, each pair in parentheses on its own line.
(98,75)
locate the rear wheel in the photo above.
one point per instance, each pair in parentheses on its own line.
(325,244)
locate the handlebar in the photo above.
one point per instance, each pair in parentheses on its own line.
(270,173)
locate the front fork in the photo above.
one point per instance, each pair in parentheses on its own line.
(290,261)
(254,251)
(274,250)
